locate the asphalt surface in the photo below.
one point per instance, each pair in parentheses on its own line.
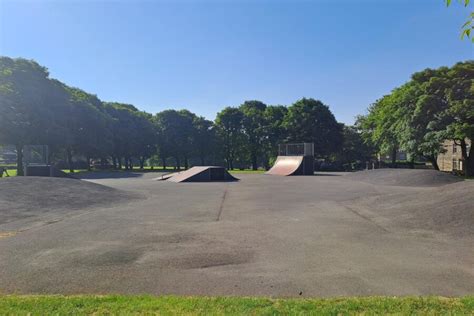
(326,235)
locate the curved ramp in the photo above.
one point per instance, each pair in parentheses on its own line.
(201,174)
(287,166)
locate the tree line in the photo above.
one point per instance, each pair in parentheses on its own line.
(36,109)
(417,117)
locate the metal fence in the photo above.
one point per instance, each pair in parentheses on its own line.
(296,149)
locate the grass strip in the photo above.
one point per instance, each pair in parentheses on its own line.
(176,305)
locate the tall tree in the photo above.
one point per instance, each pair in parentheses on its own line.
(309,120)
(254,128)
(275,132)
(30,105)
(448,102)
(204,139)
(230,132)
(89,127)
(132,134)
(175,130)
(354,149)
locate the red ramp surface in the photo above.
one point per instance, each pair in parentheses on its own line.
(286,165)
(200,174)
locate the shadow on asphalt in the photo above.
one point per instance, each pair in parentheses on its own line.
(108,175)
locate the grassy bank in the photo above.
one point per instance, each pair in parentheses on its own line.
(141,305)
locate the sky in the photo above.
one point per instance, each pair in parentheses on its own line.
(206,55)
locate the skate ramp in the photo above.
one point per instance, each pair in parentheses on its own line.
(200,174)
(287,166)
(45,171)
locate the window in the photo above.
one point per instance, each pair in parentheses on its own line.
(455,148)
(455,164)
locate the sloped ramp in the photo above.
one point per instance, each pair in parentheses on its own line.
(45,171)
(200,174)
(292,165)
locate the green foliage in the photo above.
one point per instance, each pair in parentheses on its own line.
(354,149)
(36,109)
(310,120)
(254,129)
(436,105)
(468,26)
(133,134)
(229,124)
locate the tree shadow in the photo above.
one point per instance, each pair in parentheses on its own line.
(107,175)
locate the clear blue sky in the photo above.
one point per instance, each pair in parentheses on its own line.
(204,55)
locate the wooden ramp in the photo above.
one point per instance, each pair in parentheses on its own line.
(292,165)
(200,174)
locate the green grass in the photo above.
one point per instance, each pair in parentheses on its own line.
(11,173)
(173,305)
(74,171)
(249,171)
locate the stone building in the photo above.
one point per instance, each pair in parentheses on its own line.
(451,160)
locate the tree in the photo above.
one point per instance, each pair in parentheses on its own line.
(254,128)
(309,120)
(436,105)
(275,132)
(379,128)
(354,149)
(230,132)
(204,138)
(132,134)
(145,137)
(30,105)
(449,93)
(175,133)
(89,127)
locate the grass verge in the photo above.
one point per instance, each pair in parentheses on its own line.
(172,305)
(246,171)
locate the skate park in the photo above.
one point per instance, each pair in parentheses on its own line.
(374,232)
(236,158)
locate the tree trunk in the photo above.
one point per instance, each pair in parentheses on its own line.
(411,162)
(254,161)
(69,160)
(119,159)
(142,162)
(468,159)
(164,163)
(178,163)
(434,161)
(19,160)
(89,168)
(125,162)
(469,162)
(186,165)
(114,162)
(266,163)
(394,157)
(130,163)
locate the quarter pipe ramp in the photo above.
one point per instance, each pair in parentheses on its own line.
(292,165)
(200,174)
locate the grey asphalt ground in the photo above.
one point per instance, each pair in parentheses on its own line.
(323,235)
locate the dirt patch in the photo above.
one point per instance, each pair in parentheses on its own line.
(404,177)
